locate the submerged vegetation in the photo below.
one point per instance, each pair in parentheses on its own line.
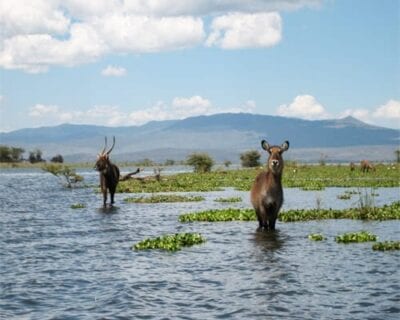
(164,198)
(361,236)
(387,212)
(170,242)
(306,177)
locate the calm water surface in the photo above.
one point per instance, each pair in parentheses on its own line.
(60,263)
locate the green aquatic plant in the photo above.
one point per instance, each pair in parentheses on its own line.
(170,242)
(344,196)
(228,200)
(387,212)
(361,236)
(386,245)
(316,237)
(220,215)
(78,206)
(164,198)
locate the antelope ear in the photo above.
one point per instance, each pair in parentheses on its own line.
(285,146)
(265,145)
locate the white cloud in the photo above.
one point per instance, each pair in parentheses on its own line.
(240,30)
(113,71)
(41,110)
(390,110)
(180,108)
(387,115)
(305,107)
(37,34)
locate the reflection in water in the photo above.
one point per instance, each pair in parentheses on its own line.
(108,210)
(268,240)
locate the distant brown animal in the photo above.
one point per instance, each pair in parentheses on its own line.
(109,173)
(352,166)
(266,192)
(366,166)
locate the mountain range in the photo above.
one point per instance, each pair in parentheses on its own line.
(224,136)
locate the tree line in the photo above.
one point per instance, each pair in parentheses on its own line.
(16,154)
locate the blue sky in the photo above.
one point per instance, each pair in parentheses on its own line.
(117,62)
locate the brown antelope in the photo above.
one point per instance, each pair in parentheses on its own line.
(267,193)
(366,166)
(109,173)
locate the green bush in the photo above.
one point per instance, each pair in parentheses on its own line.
(201,162)
(250,159)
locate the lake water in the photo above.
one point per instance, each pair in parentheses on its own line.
(61,263)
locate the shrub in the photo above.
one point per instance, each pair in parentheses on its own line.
(201,162)
(250,159)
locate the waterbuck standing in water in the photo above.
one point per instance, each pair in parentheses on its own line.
(109,173)
(267,193)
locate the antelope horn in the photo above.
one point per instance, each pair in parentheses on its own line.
(112,147)
(105,146)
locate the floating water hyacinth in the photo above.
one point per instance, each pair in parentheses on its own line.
(316,237)
(78,206)
(164,198)
(228,200)
(386,246)
(220,215)
(361,236)
(170,242)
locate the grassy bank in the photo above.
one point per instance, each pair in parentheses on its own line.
(309,177)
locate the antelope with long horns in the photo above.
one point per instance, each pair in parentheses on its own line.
(267,192)
(109,173)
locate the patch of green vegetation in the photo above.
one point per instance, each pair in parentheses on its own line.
(310,177)
(387,212)
(386,245)
(78,206)
(228,200)
(361,236)
(220,215)
(344,196)
(164,198)
(316,237)
(170,242)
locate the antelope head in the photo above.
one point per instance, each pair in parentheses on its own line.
(275,160)
(103,160)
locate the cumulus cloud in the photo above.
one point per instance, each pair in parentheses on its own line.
(390,110)
(179,108)
(387,114)
(305,107)
(239,30)
(113,71)
(37,34)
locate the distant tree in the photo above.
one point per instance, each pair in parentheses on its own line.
(250,159)
(145,163)
(397,153)
(169,162)
(201,162)
(5,154)
(57,159)
(227,163)
(10,154)
(35,156)
(16,154)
